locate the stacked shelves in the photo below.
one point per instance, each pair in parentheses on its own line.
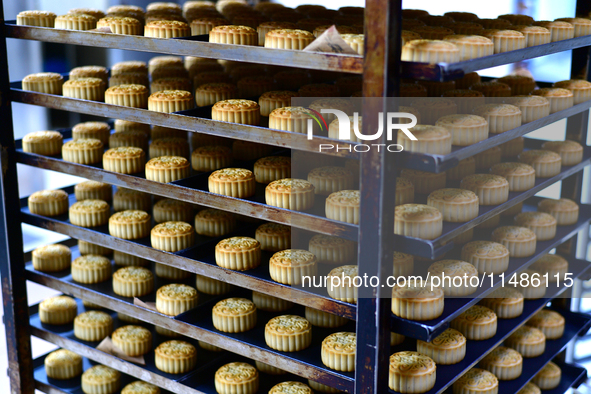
(196,324)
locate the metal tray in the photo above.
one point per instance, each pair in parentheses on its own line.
(198,119)
(306,362)
(201,317)
(453,307)
(63,336)
(576,324)
(194,189)
(69,386)
(178,120)
(573,375)
(189,46)
(200,259)
(438,163)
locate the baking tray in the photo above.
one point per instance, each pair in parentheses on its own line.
(198,382)
(200,120)
(200,317)
(189,46)
(573,375)
(575,325)
(263,135)
(436,247)
(63,335)
(200,259)
(68,386)
(305,362)
(453,307)
(194,189)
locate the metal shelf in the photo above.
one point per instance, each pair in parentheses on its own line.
(188,46)
(200,259)
(378,68)
(310,60)
(251,344)
(199,119)
(576,324)
(437,247)
(194,190)
(427,330)
(179,120)
(207,361)
(440,163)
(447,374)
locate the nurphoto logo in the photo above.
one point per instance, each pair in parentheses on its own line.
(393,120)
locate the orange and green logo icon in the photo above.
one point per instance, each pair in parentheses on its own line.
(318,118)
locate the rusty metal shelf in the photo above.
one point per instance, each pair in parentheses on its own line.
(208,361)
(198,259)
(251,344)
(199,120)
(263,135)
(576,324)
(437,247)
(194,190)
(427,330)
(190,47)
(309,60)
(373,344)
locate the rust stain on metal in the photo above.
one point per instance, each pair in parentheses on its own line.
(18,342)
(346,63)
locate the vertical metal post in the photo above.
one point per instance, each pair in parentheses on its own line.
(12,268)
(380,79)
(577,126)
(576,130)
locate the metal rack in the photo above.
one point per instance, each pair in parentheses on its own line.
(382,71)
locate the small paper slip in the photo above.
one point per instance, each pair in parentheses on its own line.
(330,41)
(109,347)
(148,305)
